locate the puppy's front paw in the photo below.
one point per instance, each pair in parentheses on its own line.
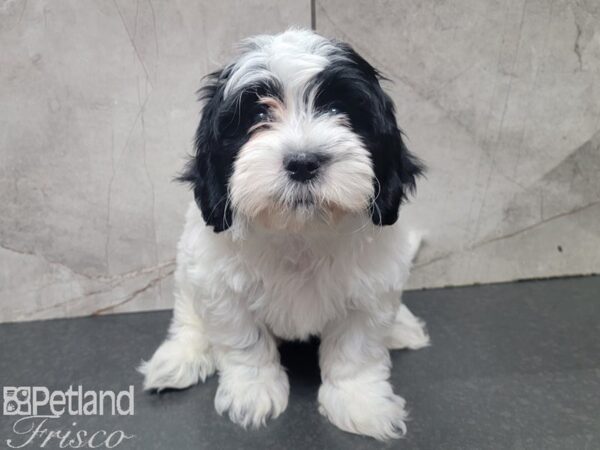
(369,408)
(177,364)
(252,395)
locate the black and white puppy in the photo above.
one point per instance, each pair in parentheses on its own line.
(298,176)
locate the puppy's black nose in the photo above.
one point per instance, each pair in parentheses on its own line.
(303,166)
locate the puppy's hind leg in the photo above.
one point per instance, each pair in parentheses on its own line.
(408,331)
(185,356)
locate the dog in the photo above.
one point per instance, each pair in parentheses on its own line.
(298,176)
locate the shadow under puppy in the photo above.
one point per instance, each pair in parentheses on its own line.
(298,176)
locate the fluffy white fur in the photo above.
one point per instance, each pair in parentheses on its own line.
(292,269)
(271,197)
(234,297)
(292,58)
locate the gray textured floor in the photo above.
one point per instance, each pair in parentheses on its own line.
(511,366)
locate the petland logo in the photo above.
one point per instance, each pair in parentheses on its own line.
(38,409)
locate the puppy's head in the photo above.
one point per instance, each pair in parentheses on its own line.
(298,130)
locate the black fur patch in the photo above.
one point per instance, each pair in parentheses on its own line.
(222,131)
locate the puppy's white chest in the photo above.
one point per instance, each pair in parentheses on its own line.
(296,285)
(299,295)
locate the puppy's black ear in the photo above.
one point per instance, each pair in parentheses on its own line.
(209,169)
(396,169)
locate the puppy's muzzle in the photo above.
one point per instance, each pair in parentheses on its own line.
(304,166)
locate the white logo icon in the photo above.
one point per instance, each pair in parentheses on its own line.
(17,400)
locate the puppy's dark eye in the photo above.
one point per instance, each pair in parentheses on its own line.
(261,114)
(334,109)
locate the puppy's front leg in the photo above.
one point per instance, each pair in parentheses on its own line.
(356,395)
(252,384)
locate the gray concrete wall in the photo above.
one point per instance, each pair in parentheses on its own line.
(97,111)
